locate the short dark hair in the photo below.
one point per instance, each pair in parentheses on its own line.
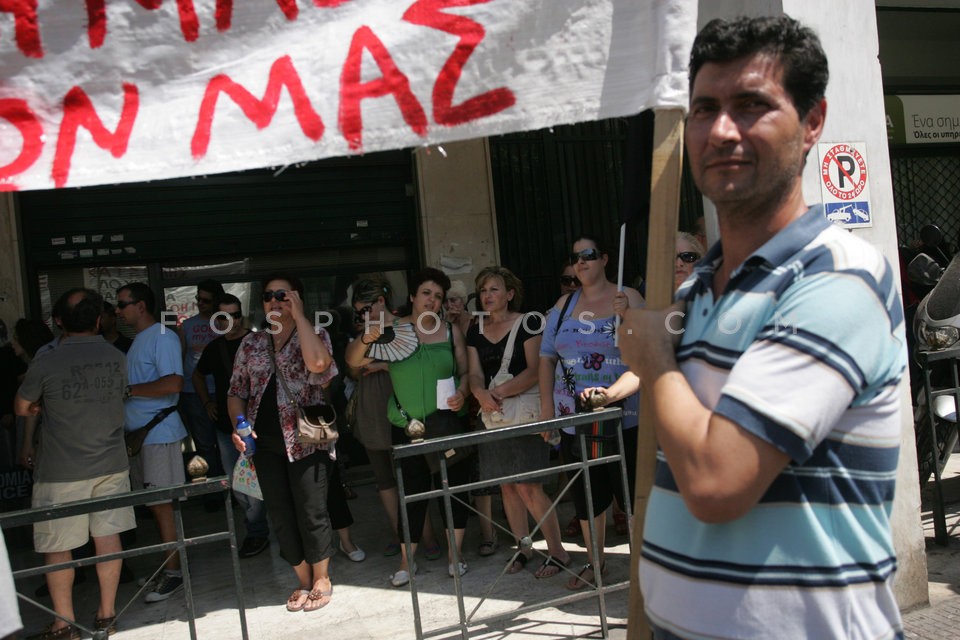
(429,274)
(210,286)
(141,292)
(369,289)
(228,298)
(796,47)
(295,283)
(510,281)
(31,334)
(84,313)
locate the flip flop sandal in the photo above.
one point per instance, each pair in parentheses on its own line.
(551,561)
(519,560)
(579,582)
(489,547)
(316,595)
(294,603)
(433,551)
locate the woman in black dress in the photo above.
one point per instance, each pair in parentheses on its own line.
(500,294)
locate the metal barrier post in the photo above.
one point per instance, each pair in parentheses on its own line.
(445,492)
(146,496)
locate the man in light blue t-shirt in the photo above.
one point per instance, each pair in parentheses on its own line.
(155,374)
(776,408)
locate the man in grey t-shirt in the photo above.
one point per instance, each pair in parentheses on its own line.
(79,389)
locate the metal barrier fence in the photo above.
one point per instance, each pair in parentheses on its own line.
(446,493)
(146,496)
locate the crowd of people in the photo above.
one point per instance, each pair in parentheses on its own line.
(778,440)
(189,386)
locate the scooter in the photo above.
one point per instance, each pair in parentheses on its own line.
(936,329)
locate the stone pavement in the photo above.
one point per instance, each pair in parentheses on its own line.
(365,606)
(942,618)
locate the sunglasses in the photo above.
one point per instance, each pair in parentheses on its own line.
(586,254)
(236,315)
(688,256)
(204,300)
(359,315)
(570,281)
(123,304)
(279,295)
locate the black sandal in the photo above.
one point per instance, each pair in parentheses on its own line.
(552,561)
(521,560)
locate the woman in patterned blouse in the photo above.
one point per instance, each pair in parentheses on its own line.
(293,476)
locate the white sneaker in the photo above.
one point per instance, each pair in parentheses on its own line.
(461,567)
(357,555)
(401,577)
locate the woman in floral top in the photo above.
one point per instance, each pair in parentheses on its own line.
(293,476)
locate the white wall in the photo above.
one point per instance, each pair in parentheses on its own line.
(855,113)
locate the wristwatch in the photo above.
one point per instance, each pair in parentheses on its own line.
(127,392)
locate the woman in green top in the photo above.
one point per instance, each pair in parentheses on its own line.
(440,354)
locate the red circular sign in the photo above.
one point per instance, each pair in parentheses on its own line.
(844,172)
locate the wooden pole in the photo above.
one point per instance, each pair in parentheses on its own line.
(665,173)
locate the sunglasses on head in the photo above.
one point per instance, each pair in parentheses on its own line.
(359,315)
(280,295)
(570,281)
(123,304)
(688,256)
(586,254)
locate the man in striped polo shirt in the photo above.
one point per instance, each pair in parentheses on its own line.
(777,410)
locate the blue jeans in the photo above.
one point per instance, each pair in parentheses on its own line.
(202,430)
(254,514)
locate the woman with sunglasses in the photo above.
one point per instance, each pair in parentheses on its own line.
(371,304)
(500,294)
(689,252)
(580,336)
(293,476)
(440,354)
(568,279)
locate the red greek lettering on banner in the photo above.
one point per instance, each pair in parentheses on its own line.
(78,111)
(428,13)
(18,113)
(392,82)
(25,25)
(260,112)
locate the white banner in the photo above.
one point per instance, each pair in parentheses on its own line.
(108,91)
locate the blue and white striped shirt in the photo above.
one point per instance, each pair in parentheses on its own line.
(804,349)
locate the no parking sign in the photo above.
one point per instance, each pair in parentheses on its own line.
(844,184)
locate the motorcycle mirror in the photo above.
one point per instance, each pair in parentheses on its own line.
(931,235)
(924,270)
(945,407)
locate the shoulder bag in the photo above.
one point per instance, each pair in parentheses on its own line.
(134,439)
(521,408)
(316,424)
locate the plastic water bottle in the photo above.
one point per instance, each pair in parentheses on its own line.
(245,431)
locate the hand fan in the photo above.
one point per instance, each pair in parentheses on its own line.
(397,342)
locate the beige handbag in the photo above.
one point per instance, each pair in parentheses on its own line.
(519,409)
(316,424)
